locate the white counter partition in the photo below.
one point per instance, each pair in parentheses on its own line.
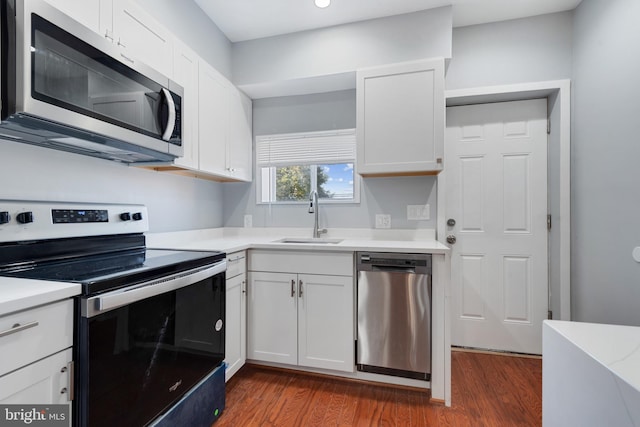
(590,375)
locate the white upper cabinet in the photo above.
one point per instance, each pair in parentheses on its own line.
(185,73)
(224,127)
(240,136)
(400,119)
(141,37)
(96,15)
(213,119)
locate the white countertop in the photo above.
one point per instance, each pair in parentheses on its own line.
(237,239)
(616,347)
(21,294)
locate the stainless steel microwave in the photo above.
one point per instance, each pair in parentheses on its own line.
(66,87)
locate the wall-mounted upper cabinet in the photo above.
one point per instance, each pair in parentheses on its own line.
(240,136)
(217,127)
(225,128)
(213,119)
(142,36)
(185,73)
(400,119)
(96,15)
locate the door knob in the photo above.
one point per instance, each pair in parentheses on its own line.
(451,222)
(451,239)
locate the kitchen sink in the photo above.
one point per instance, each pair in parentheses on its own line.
(312,240)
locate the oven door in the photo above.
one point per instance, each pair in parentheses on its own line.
(140,349)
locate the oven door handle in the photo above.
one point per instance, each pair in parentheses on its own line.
(121,297)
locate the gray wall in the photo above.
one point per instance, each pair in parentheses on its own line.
(326,111)
(191,25)
(343,48)
(521,50)
(531,49)
(174,202)
(605,154)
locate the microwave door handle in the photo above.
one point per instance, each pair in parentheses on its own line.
(171,121)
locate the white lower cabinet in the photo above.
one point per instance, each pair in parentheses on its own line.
(36,359)
(301,318)
(41,383)
(236,314)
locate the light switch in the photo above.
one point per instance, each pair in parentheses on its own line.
(418,212)
(383,221)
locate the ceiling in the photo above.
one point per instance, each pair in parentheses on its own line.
(250,19)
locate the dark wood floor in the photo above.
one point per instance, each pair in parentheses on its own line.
(487,390)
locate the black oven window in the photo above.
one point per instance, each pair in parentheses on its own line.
(144,356)
(69,73)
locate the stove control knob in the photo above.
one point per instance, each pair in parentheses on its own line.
(25,217)
(125,216)
(137,216)
(4,217)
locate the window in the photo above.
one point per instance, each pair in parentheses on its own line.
(290,166)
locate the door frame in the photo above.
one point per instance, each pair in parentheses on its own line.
(558,95)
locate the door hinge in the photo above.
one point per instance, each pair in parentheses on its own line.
(548,127)
(548,222)
(549,314)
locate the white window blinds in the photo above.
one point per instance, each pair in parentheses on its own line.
(306,148)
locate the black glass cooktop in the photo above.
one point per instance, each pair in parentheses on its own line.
(107,271)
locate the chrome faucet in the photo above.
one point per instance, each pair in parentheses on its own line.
(314,208)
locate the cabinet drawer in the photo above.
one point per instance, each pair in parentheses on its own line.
(309,262)
(39,332)
(236,264)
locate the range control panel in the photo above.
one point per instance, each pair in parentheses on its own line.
(66,216)
(25,220)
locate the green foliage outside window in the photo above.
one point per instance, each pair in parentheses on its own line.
(293,183)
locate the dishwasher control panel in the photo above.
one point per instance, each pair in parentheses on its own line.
(370,261)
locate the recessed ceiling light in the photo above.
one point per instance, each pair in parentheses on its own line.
(322,3)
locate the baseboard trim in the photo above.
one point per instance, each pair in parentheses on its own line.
(495,352)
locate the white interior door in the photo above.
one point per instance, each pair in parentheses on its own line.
(496,183)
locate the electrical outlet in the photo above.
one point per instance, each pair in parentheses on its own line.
(383,221)
(418,212)
(248,221)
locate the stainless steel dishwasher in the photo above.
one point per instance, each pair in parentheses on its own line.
(394,314)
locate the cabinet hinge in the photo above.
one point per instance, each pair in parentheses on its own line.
(549,314)
(548,127)
(548,222)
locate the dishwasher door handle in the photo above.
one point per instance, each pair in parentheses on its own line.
(393,268)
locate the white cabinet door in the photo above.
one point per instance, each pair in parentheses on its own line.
(235,335)
(44,382)
(239,136)
(96,15)
(272,329)
(212,119)
(400,118)
(141,37)
(325,322)
(185,73)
